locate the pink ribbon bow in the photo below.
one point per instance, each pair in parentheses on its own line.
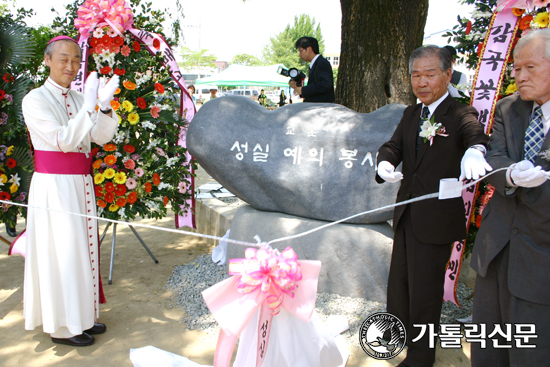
(114,13)
(263,279)
(440,132)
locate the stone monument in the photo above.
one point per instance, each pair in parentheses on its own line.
(299,167)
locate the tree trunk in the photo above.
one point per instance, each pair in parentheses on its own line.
(378,36)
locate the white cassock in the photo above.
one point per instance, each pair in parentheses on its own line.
(61,289)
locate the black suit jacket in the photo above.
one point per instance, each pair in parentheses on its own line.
(434,221)
(320,84)
(520,218)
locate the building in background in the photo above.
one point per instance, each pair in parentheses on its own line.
(333,58)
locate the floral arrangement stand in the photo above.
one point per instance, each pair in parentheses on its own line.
(5,241)
(111,265)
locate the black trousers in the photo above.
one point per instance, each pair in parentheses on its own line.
(415,287)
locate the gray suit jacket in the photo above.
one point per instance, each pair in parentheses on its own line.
(521,218)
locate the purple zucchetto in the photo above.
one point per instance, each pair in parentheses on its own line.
(61,38)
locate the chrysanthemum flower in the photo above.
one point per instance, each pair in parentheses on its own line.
(120,202)
(115,105)
(541,20)
(129,85)
(97,163)
(130,164)
(133,118)
(120,190)
(155,111)
(129,148)
(156,179)
(110,159)
(109,173)
(113,208)
(141,103)
(109,197)
(148,187)
(132,197)
(139,172)
(128,106)
(131,183)
(109,147)
(109,187)
(120,178)
(99,178)
(182,188)
(101,203)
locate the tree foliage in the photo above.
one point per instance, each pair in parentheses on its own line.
(16,168)
(281,49)
(246,60)
(469,34)
(196,59)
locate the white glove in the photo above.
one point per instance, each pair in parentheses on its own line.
(386,170)
(90,92)
(473,165)
(107,91)
(525,174)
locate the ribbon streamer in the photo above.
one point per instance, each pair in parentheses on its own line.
(243,243)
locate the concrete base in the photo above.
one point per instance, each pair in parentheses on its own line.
(213,217)
(355,257)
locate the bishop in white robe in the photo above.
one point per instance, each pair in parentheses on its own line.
(61,288)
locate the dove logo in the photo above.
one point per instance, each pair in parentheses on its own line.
(382,335)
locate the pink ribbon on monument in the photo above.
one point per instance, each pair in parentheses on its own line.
(487,83)
(118,16)
(267,280)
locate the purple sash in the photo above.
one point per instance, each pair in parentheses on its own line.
(60,163)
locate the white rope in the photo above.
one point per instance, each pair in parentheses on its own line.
(257,244)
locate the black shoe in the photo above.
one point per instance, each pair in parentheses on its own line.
(11,230)
(96,329)
(82,340)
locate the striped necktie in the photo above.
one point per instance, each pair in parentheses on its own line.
(423,117)
(534,136)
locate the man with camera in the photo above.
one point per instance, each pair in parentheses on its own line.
(320,85)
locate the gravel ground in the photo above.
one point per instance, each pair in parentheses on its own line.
(188,281)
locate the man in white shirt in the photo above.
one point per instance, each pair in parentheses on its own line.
(62,284)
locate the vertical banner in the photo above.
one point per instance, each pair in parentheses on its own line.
(155,43)
(487,83)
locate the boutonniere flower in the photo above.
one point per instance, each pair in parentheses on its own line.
(545,154)
(430,129)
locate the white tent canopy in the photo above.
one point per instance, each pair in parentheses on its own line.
(239,75)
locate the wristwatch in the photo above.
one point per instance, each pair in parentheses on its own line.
(107,111)
(479,147)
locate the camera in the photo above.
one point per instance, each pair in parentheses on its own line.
(294,74)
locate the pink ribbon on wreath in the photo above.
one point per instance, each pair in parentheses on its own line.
(93,13)
(509,4)
(267,280)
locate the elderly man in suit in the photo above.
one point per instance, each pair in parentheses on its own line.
(320,83)
(425,230)
(512,249)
